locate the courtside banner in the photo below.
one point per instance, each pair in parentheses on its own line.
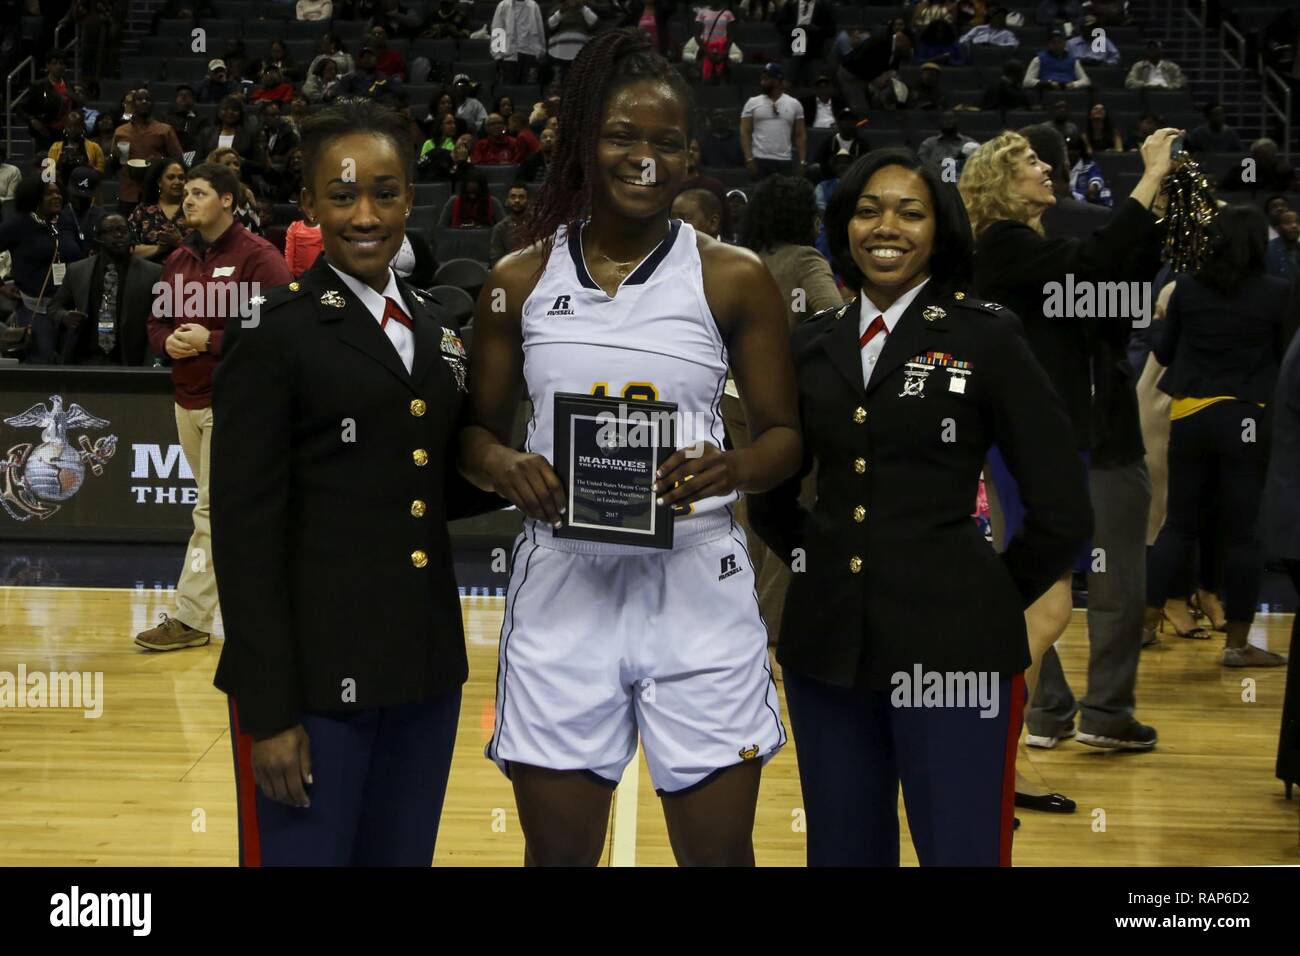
(92,455)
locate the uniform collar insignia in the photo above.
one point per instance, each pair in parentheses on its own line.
(334,299)
(933,312)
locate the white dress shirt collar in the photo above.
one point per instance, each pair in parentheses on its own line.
(867,314)
(893,313)
(403,339)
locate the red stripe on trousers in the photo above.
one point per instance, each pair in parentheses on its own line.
(1007,831)
(250,842)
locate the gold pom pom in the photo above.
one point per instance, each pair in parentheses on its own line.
(1189,213)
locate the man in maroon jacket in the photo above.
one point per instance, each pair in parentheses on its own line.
(209,284)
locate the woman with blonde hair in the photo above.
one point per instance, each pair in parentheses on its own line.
(1007,188)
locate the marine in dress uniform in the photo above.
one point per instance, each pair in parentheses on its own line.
(893,577)
(332,484)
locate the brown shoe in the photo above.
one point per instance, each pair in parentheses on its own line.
(171,635)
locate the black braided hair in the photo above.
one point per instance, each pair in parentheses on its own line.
(606,63)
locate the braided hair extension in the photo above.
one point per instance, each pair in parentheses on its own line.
(607,62)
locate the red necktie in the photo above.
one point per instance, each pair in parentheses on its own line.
(394,311)
(876,327)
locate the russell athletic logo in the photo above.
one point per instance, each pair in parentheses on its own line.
(36,479)
(728,567)
(561,306)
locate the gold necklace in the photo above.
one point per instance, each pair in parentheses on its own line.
(621,268)
(617,262)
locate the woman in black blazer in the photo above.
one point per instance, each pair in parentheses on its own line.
(1007,188)
(894,585)
(1222,344)
(320,535)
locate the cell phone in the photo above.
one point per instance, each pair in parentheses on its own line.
(1177,148)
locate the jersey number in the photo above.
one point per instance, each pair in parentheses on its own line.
(644,391)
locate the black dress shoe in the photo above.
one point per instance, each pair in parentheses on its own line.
(1015,823)
(1048,803)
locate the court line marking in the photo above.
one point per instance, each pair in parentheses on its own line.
(623,849)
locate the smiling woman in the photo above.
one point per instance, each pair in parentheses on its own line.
(613,296)
(1008,189)
(358,175)
(336,414)
(901,394)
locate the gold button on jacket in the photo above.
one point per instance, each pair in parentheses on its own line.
(860,466)
(418,508)
(418,407)
(855,564)
(420,457)
(859,415)
(859,514)
(419,558)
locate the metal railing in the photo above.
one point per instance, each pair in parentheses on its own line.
(12,117)
(1283,112)
(1228,33)
(1202,48)
(30,64)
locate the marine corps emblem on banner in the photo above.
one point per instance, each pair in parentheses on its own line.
(36,479)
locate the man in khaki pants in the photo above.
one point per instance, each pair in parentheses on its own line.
(219,252)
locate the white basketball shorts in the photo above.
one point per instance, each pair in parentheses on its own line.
(601,642)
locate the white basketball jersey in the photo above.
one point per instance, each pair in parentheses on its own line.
(655,339)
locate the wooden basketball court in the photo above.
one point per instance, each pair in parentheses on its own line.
(150,781)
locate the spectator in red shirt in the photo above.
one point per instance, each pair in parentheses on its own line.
(386,60)
(216,274)
(496,148)
(273,88)
(525,138)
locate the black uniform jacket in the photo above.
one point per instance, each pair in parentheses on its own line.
(891,569)
(332,482)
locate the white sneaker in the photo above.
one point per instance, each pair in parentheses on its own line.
(1047,743)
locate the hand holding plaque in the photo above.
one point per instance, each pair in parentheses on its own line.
(701,470)
(607,453)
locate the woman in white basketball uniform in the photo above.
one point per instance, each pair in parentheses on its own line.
(600,642)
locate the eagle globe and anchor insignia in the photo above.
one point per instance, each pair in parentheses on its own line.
(36,479)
